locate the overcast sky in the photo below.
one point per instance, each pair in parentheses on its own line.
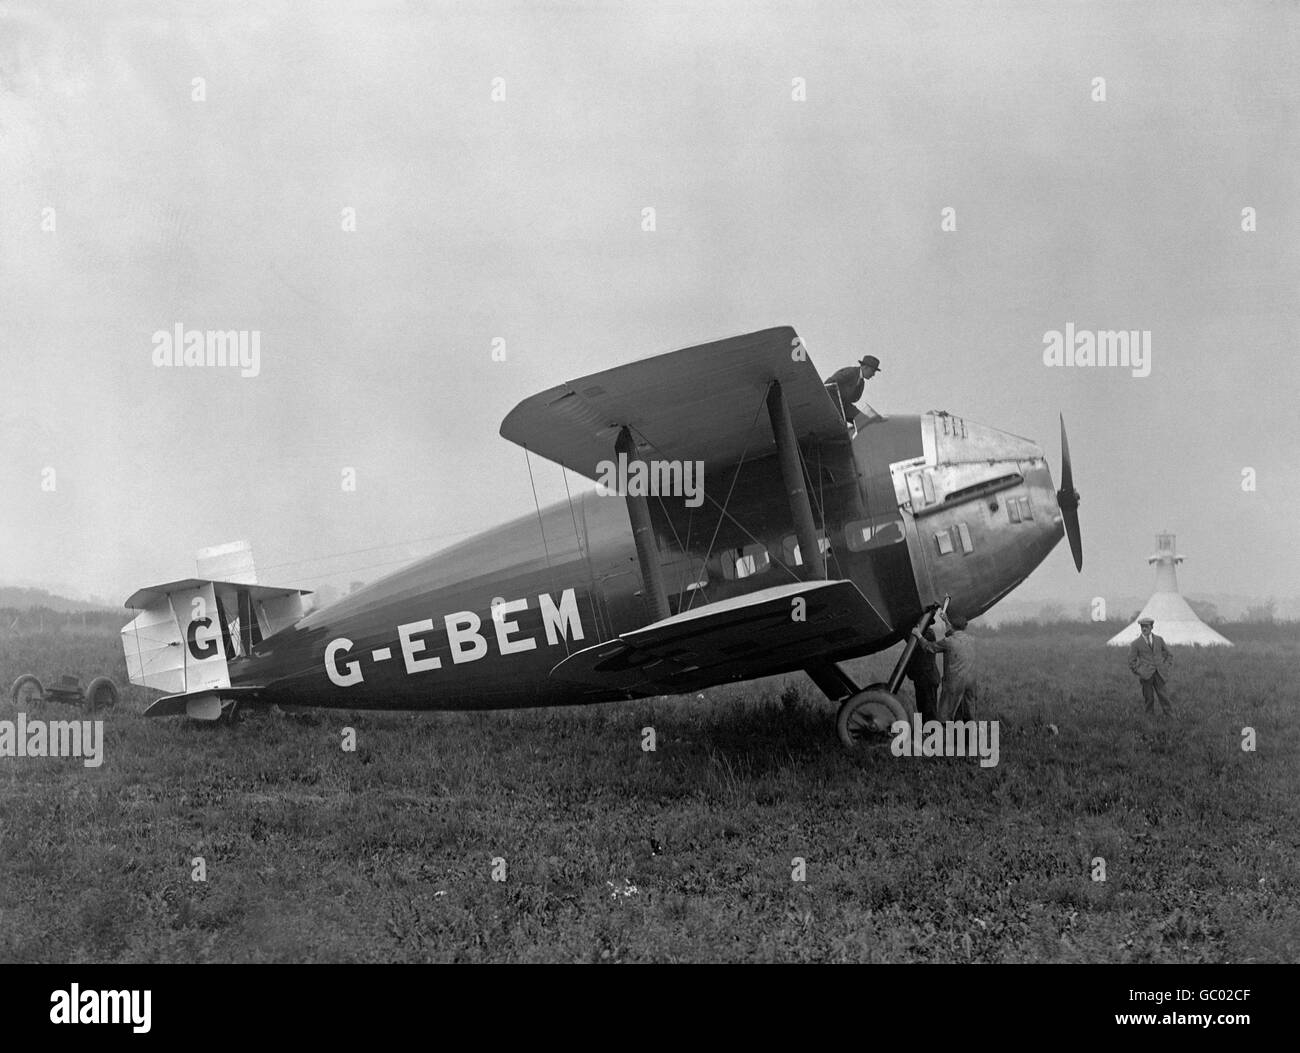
(522,219)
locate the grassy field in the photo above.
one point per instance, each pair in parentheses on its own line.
(683,854)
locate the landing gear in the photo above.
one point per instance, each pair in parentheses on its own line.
(868,715)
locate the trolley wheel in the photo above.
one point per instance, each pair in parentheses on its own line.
(101,694)
(868,715)
(26,690)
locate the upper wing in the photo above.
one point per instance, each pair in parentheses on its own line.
(738,639)
(679,405)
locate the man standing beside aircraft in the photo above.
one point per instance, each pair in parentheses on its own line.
(960,683)
(1149,658)
(923,671)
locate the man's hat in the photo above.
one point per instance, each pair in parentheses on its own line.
(1146,621)
(873,361)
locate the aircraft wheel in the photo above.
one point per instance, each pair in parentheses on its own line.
(101,694)
(908,706)
(26,690)
(868,715)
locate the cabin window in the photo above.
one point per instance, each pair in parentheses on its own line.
(684,594)
(963,533)
(944,540)
(790,554)
(876,533)
(1025,511)
(685,585)
(684,573)
(737,563)
(753,559)
(1013,509)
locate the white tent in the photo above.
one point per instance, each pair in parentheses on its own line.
(1175,620)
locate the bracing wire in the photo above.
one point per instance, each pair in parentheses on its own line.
(358,551)
(820,490)
(584,550)
(722,511)
(749,435)
(541,529)
(682,575)
(577,538)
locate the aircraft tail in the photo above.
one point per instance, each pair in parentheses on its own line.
(187,632)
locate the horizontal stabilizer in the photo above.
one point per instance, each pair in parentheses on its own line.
(153,594)
(770,631)
(199,705)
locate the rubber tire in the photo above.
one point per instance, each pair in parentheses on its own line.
(93,690)
(849,711)
(21,682)
(909,707)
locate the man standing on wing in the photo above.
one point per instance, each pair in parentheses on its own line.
(851,380)
(1149,658)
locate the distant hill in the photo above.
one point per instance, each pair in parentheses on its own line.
(1220,607)
(15,597)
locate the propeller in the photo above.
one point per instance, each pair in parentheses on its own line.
(1067,499)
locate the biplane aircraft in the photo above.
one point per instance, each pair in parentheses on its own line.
(821,537)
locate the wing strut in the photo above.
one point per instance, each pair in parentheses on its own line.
(647,552)
(787,453)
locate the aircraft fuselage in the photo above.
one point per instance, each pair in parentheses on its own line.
(910,508)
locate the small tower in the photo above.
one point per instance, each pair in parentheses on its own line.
(1175,620)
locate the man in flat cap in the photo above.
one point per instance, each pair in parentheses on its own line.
(851,380)
(960,690)
(1149,658)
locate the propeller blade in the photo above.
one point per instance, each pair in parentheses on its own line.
(1071,518)
(1067,499)
(1067,473)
